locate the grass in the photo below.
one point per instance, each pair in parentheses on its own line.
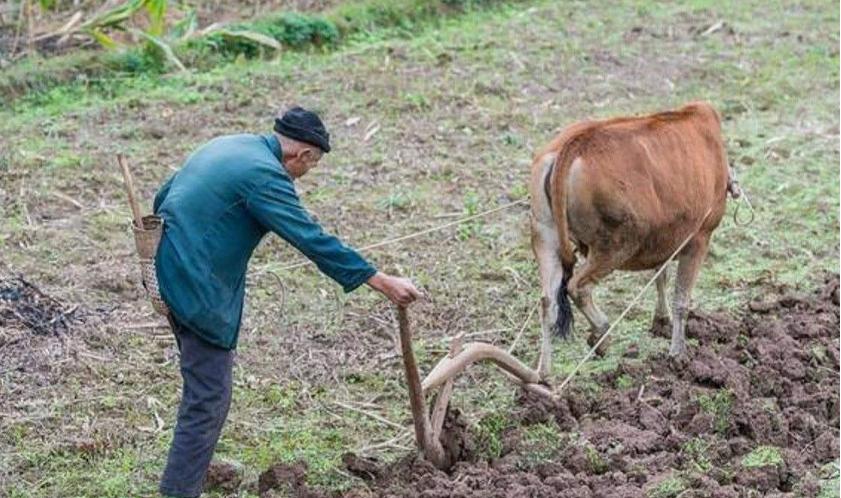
(763,456)
(446,145)
(830,481)
(696,450)
(541,443)
(671,487)
(719,405)
(489,434)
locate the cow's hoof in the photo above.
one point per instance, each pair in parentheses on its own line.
(594,338)
(661,327)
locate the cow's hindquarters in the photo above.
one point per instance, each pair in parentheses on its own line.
(556,313)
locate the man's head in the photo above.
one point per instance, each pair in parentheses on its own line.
(303,140)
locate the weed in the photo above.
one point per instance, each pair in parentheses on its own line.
(719,405)
(512,140)
(696,450)
(541,443)
(518,191)
(625,381)
(417,101)
(763,456)
(829,475)
(489,434)
(395,200)
(670,487)
(598,465)
(471,204)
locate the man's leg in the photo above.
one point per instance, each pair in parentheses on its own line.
(206,371)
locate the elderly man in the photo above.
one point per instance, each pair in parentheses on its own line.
(216,209)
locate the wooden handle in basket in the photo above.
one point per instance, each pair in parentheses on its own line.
(132,197)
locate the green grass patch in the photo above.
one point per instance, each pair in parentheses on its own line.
(671,487)
(598,465)
(696,451)
(719,405)
(763,456)
(830,486)
(540,443)
(489,432)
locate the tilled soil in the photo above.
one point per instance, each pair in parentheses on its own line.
(753,411)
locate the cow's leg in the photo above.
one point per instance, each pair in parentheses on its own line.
(581,287)
(661,326)
(689,264)
(546,245)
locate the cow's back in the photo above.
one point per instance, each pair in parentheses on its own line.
(637,187)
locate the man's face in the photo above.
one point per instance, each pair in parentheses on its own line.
(305,159)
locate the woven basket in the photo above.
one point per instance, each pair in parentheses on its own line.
(146,239)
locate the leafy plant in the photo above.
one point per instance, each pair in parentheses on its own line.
(157,41)
(763,456)
(696,450)
(670,487)
(471,207)
(719,405)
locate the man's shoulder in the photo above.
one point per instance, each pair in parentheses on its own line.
(236,140)
(243,151)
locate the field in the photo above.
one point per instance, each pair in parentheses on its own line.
(430,125)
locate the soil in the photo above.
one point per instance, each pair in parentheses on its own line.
(287,480)
(223,477)
(768,378)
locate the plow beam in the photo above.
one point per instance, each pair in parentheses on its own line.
(449,367)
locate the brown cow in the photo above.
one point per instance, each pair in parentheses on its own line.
(624,193)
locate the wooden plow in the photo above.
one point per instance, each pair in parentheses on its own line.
(430,422)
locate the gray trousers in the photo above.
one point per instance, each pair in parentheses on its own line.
(206,371)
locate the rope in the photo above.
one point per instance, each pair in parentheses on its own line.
(746,201)
(413,235)
(736,192)
(523,327)
(628,308)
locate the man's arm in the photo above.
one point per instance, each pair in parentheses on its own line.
(277,207)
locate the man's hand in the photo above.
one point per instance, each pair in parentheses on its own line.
(399,290)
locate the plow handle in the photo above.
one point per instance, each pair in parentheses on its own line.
(427,442)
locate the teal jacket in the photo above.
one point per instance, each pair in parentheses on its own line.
(216,209)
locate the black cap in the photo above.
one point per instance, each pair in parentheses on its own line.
(305,126)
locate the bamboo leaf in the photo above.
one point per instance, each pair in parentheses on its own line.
(157,16)
(163,46)
(103,39)
(184,28)
(252,36)
(113,17)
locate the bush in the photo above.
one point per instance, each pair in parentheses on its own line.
(290,29)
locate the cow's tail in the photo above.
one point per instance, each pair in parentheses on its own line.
(565,321)
(555,182)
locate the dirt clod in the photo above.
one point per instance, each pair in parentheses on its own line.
(223,477)
(287,480)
